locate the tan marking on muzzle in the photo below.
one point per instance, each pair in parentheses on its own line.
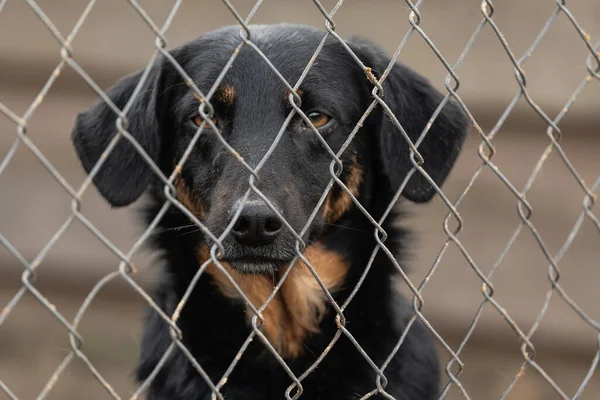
(186,197)
(334,208)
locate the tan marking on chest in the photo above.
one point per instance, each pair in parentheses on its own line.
(298,308)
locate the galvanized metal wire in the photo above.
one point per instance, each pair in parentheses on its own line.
(126,269)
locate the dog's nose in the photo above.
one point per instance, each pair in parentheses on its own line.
(257,225)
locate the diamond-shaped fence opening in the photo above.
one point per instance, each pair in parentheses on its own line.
(493,281)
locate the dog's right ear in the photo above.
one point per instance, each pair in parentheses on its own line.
(124,175)
(413,101)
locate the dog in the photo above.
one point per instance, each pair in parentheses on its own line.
(249,108)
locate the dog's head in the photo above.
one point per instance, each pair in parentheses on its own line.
(251,105)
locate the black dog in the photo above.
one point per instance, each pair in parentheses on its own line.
(250,107)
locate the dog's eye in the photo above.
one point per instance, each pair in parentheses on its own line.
(318,119)
(197,120)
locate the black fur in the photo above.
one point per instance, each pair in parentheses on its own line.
(293,178)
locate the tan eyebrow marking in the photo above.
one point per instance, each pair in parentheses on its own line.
(226,94)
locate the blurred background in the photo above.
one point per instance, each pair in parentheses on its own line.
(115,41)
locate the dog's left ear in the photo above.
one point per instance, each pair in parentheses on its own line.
(124,175)
(413,101)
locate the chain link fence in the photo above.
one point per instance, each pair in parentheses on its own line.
(452,222)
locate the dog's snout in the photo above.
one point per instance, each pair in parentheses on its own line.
(257,225)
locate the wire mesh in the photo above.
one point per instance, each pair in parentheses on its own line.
(126,269)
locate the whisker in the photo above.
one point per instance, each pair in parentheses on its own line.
(187,233)
(197,214)
(177,228)
(342,226)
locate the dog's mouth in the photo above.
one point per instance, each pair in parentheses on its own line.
(263,260)
(256,265)
(259,259)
